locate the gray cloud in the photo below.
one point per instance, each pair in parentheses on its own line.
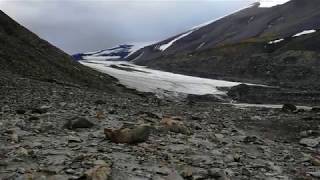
(86,25)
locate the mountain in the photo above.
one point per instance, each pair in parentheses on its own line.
(24,54)
(119,53)
(276,45)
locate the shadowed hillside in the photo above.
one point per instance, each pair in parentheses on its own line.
(24,54)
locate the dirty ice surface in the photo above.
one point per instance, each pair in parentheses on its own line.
(148,80)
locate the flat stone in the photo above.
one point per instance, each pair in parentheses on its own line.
(315,174)
(310,142)
(74,139)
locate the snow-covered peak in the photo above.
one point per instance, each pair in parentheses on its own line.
(271,3)
(120,52)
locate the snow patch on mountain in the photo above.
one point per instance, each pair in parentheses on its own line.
(276,41)
(120,52)
(167,45)
(101,58)
(304,33)
(271,3)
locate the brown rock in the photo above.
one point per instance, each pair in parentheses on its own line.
(129,136)
(99,172)
(315,160)
(174,124)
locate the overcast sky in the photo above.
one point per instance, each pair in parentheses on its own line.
(87,25)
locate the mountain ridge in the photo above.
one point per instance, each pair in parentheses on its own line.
(238,46)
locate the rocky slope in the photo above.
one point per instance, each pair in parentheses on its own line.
(50,131)
(240,47)
(24,54)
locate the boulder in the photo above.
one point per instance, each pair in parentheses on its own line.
(174,124)
(78,122)
(129,136)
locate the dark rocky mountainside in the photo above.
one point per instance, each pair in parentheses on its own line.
(24,54)
(237,47)
(292,63)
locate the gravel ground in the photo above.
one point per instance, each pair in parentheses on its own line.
(218,141)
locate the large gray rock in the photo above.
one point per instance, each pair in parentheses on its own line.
(310,142)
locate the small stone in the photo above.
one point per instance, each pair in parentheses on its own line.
(194,117)
(62,104)
(74,139)
(256,118)
(34,118)
(237,158)
(4,163)
(246,172)
(173,176)
(99,102)
(219,136)
(306,133)
(251,140)
(100,162)
(36,145)
(289,108)
(197,126)
(70,171)
(187,173)
(112,111)
(216,152)
(315,160)
(20,111)
(22,152)
(315,109)
(14,137)
(310,142)
(21,170)
(58,177)
(217,174)
(40,110)
(5,108)
(99,172)
(315,174)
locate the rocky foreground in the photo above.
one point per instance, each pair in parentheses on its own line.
(50,131)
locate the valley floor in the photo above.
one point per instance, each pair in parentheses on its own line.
(225,142)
